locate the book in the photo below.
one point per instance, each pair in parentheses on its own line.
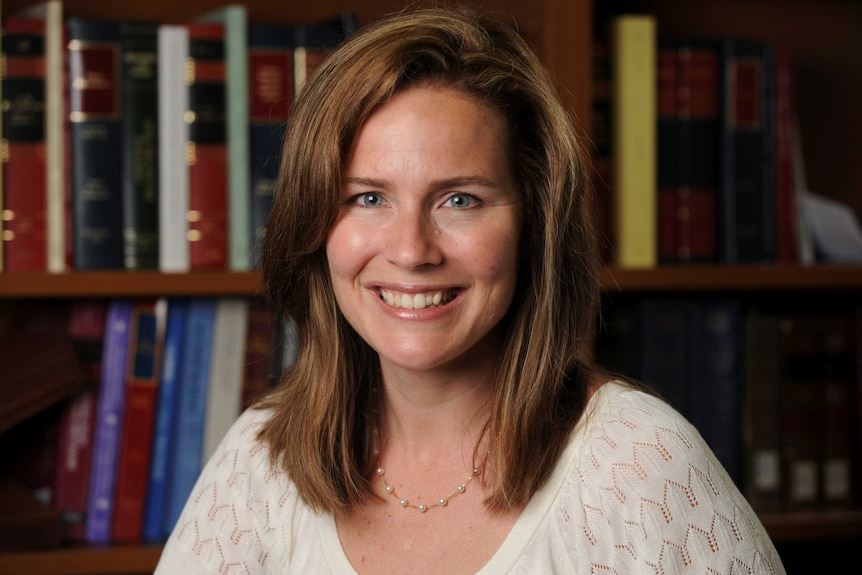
(747,165)
(665,348)
(271,91)
(259,342)
(155,529)
(667,149)
(188,441)
(173,46)
(840,446)
(206,150)
(140,126)
(109,421)
(633,101)
(96,138)
(785,194)
(714,380)
(75,450)
(313,42)
(143,373)
(689,149)
(601,148)
(224,389)
(24,159)
(235,21)
(802,400)
(761,413)
(57,208)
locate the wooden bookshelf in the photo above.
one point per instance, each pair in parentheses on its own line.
(665,279)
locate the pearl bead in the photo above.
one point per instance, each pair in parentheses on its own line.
(422,509)
(403,502)
(379,471)
(461,488)
(389,488)
(443,501)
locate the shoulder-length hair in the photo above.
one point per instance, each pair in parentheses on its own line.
(324,406)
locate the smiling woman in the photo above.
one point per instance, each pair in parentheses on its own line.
(431,238)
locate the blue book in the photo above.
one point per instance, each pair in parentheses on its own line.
(715,378)
(109,416)
(96,142)
(155,512)
(191,410)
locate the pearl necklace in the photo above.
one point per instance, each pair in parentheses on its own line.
(442,502)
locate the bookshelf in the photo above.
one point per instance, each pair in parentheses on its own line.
(823,34)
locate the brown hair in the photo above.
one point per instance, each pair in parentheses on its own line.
(321,426)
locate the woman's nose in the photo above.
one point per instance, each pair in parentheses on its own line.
(414,240)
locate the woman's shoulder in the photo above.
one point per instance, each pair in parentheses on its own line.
(643,479)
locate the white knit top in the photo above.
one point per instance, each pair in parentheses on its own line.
(636,491)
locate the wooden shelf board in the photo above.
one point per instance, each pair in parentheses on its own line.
(127,284)
(813,525)
(126,560)
(669,279)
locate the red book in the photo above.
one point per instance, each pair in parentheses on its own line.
(667,130)
(602,165)
(24,241)
(77,420)
(785,190)
(143,368)
(206,151)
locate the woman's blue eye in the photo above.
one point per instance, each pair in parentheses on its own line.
(461,200)
(371,200)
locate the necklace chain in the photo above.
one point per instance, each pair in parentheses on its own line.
(422,508)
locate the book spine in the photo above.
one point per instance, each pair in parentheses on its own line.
(602,158)
(75,452)
(24,212)
(697,177)
(802,401)
(235,21)
(270,80)
(713,390)
(56,113)
(761,413)
(146,342)
(140,122)
(315,41)
(109,419)
(664,348)
(634,140)
(745,128)
(154,528)
(785,192)
(224,394)
(173,96)
(668,150)
(191,411)
(96,134)
(206,150)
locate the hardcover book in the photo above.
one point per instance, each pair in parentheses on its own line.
(206,149)
(24,158)
(155,528)
(143,372)
(96,134)
(109,421)
(188,442)
(140,120)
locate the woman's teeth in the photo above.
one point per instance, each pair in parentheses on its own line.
(413,301)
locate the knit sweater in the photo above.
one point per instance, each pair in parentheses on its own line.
(636,490)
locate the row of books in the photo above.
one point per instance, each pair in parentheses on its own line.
(146,145)
(696,153)
(775,395)
(167,377)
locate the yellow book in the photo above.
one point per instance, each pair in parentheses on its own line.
(634,140)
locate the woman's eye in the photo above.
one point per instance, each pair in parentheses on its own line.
(370,200)
(461,200)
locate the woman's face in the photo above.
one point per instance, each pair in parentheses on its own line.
(423,254)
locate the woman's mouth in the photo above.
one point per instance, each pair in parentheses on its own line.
(416,300)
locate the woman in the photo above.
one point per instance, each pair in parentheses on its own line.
(431,238)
